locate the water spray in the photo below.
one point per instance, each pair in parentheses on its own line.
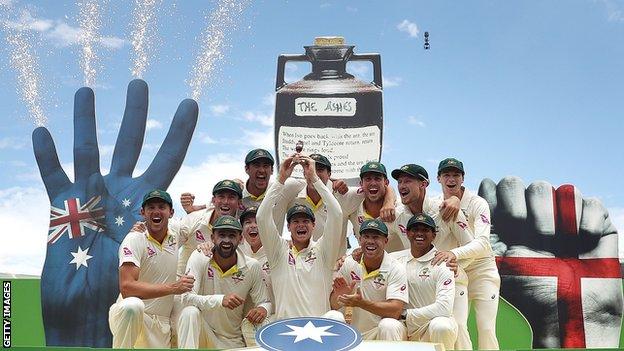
(142,34)
(215,36)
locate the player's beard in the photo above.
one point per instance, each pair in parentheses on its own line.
(226,253)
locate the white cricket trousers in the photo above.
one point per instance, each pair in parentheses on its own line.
(389,329)
(131,327)
(483,291)
(442,330)
(461,308)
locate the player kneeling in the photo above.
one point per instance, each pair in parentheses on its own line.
(431,287)
(214,309)
(380,286)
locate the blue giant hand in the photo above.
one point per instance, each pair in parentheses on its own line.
(90,217)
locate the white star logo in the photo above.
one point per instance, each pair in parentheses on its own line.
(125,203)
(119,221)
(309,331)
(80,257)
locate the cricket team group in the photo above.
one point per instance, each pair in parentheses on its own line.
(212,278)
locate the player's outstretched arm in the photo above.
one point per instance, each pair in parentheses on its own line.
(333,237)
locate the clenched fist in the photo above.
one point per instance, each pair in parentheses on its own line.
(557,257)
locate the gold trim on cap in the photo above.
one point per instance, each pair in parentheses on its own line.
(328,41)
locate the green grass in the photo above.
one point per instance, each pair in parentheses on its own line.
(513,330)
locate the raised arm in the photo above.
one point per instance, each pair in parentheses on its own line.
(333,236)
(269,234)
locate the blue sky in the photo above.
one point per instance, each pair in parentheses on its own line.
(524,88)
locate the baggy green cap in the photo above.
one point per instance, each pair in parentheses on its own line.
(228,185)
(321,160)
(413,170)
(373,166)
(451,163)
(423,219)
(249,211)
(374,224)
(257,154)
(227,222)
(157,194)
(299,209)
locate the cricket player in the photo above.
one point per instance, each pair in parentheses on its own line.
(252,247)
(380,286)
(147,279)
(481,270)
(214,311)
(429,314)
(259,168)
(307,195)
(412,182)
(301,271)
(196,227)
(373,199)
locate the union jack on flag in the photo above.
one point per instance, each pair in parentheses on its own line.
(73,218)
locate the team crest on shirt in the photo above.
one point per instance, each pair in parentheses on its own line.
(462,225)
(127,251)
(425,273)
(484,219)
(360,219)
(447,282)
(379,282)
(238,277)
(265,268)
(150,252)
(291,259)
(310,257)
(355,277)
(210,273)
(402,228)
(200,236)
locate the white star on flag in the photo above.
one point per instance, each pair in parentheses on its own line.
(309,331)
(80,257)
(119,221)
(125,203)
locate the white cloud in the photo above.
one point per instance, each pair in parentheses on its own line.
(199,179)
(24,218)
(112,42)
(258,139)
(61,33)
(415,121)
(389,82)
(153,124)
(12,143)
(206,139)
(269,100)
(219,110)
(358,68)
(352,9)
(265,119)
(614,12)
(325,5)
(65,35)
(408,27)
